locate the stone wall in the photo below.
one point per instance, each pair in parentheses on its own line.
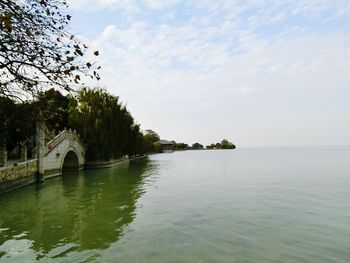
(18,175)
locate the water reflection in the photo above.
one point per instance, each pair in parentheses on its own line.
(78,211)
(253,205)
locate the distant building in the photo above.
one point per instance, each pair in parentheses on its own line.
(166,146)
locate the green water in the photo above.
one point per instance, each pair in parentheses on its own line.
(247,205)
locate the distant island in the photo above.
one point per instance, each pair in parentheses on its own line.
(169,146)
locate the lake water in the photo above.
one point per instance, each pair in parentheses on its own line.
(244,205)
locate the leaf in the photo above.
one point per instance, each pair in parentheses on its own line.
(79,52)
(28,32)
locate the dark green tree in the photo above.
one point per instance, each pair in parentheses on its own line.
(152,136)
(17,122)
(181,146)
(197,146)
(157,147)
(55,109)
(225,144)
(105,125)
(211,146)
(136,143)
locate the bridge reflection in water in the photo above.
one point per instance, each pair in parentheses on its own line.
(80,211)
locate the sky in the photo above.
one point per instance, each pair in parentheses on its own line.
(258,73)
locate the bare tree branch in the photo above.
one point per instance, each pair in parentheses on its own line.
(36,49)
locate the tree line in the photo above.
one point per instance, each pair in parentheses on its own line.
(100,118)
(224,144)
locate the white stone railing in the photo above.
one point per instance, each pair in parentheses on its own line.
(65,134)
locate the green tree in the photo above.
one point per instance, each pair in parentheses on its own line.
(211,146)
(148,144)
(182,146)
(21,116)
(152,136)
(104,123)
(136,143)
(55,109)
(225,144)
(157,148)
(197,146)
(17,122)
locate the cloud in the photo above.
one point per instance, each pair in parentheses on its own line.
(230,66)
(304,7)
(180,58)
(160,4)
(100,4)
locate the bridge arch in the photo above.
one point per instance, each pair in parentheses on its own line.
(70,161)
(65,152)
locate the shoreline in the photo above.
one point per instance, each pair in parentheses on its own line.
(111,163)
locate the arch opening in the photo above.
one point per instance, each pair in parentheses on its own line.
(70,162)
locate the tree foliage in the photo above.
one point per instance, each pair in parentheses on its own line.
(157,147)
(197,146)
(152,136)
(151,142)
(54,108)
(17,123)
(105,125)
(225,144)
(180,146)
(36,49)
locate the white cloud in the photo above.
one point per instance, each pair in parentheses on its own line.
(230,76)
(304,7)
(159,4)
(96,5)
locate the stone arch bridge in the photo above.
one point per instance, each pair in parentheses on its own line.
(64,152)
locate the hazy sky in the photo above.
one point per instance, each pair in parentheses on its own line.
(259,73)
